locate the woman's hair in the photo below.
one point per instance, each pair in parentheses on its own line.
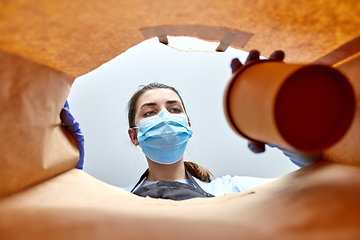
(194,169)
(198,171)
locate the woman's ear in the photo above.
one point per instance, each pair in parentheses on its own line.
(133,136)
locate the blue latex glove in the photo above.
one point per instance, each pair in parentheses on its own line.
(300,159)
(73,127)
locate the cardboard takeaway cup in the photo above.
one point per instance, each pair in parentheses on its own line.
(303,107)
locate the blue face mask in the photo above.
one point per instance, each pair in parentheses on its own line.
(163,138)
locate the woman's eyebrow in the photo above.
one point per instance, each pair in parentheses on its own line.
(148,104)
(169,102)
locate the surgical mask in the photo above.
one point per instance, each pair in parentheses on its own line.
(163,138)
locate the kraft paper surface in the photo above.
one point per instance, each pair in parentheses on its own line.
(347,149)
(44,45)
(315,202)
(78,36)
(33,145)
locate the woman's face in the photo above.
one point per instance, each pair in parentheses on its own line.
(151,102)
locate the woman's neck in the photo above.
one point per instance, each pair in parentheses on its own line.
(170,172)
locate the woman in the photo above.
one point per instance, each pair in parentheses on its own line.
(158,123)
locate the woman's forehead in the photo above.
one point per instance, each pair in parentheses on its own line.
(157,96)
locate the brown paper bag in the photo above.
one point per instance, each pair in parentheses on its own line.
(33,144)
(74,37)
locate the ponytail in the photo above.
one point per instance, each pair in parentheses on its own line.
(198,171)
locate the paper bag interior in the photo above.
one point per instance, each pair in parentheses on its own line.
(45,45)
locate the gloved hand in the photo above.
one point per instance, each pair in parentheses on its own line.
(73,127)
(301,159)
(254,146)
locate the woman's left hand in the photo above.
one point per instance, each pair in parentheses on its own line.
(301,159)
(73,127)
(254,55)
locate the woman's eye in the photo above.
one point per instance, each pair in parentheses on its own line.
(175,110)
(149,113)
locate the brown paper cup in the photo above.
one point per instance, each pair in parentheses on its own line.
(304,107)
